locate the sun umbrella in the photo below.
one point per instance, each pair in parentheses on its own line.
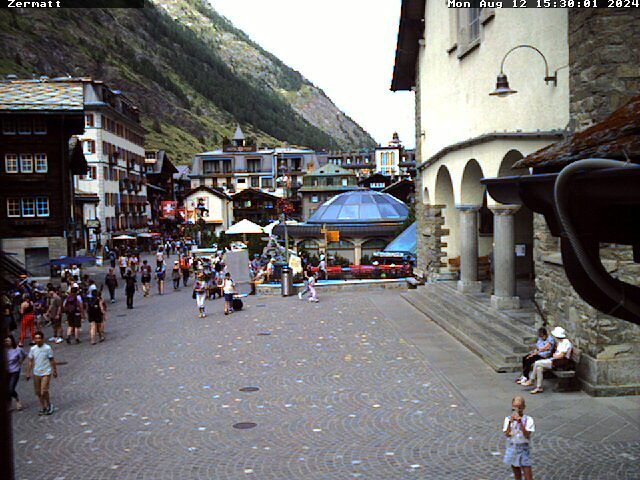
(245,227)
(124,237)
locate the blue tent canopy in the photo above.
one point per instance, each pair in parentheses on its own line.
(405,242)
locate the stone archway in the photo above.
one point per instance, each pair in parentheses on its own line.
(444,197)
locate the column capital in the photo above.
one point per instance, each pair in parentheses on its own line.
(504,209)
(468,208)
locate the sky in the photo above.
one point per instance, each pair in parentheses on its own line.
(345,47)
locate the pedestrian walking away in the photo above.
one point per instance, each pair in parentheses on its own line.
(185,265)
(159,257)
(228,289)
(73,307)
(27,319)
(130,287)
(96,313)
(111,281)
(15,356)
(200,294)
(160,274)
(145,278)
(43,366)
(54,315)
(176,275)
(518,428)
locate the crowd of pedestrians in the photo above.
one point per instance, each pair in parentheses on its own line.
(28,309)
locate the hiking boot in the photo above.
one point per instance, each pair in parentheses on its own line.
(49,410)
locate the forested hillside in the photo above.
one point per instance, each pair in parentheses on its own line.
(191,93)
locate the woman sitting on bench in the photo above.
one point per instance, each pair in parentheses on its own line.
(544,348)
(560,360)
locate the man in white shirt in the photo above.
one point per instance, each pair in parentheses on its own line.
(42,365)
(563,351)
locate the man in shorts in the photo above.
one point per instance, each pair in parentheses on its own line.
(145,278)
(42,365)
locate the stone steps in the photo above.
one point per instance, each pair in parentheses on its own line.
(517,324)
(494,337)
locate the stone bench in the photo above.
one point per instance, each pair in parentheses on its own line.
(566,378)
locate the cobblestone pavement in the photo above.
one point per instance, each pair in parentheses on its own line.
(341,395)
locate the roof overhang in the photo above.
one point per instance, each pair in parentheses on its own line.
(410,31)
(604,208)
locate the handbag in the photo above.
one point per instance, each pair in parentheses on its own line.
(193,295)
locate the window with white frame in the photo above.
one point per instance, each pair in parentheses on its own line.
(474,23)
(11,163)
(40,126)
(28,207)
(24,126)
(42,206)
(26,163)
(8,126)
(314,199)
(42,165)
(13,207)
(345,182)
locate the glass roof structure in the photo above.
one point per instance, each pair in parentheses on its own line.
(360,207)
(405,242)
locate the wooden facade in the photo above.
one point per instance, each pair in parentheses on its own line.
(37,165)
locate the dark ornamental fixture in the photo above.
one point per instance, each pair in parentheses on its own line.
(502,82)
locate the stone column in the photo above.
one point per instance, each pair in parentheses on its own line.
(468,282)
(357,247)
(504,258)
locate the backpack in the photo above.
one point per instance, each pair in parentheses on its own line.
(94,307)
(71,304)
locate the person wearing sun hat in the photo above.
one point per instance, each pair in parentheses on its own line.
(561,359)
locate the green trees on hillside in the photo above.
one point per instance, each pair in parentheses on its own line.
(201,69)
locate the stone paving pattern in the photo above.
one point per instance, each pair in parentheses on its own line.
(342,395)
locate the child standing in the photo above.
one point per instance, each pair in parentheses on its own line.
(518,428)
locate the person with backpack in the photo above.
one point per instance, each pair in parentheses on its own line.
(185,265)
(73,307)
(145,278)
(111,281)
(130,287)
(160,275)
(96,312)
(228,289)
(175,275)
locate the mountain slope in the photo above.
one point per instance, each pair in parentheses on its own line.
(180,72)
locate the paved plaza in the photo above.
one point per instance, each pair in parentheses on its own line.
(356,386)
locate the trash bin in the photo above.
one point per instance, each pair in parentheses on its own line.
(286,282)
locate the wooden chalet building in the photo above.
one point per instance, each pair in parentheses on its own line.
(159,171)
(38,119)
(404,190)
(255,205)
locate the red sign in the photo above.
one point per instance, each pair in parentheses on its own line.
(168,208)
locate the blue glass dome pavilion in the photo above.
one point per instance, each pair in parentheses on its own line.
(360,207)
(367,221)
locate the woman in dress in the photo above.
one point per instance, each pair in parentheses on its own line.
(27,314)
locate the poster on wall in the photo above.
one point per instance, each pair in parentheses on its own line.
(521,249)
(168,208)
